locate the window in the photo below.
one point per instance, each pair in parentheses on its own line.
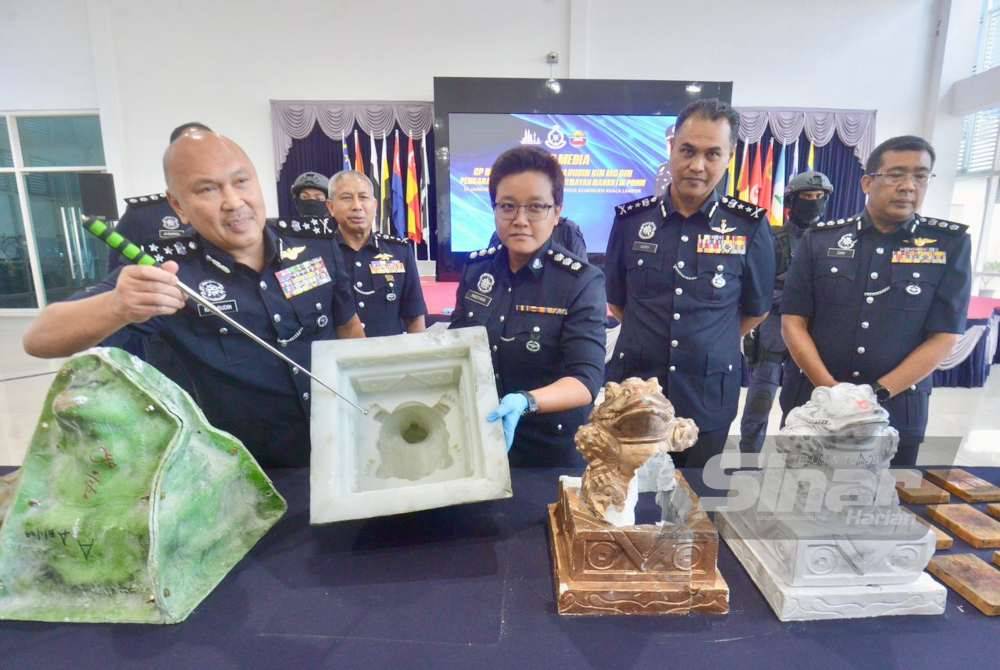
(988,44)
(45,255)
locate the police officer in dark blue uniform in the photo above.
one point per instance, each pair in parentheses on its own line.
(543,309)
(880,298)
(382,269)
(688,275)
(289,290)
(805,202)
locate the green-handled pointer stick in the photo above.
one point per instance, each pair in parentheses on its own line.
(101,230)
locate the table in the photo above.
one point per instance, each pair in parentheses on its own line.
(471,587)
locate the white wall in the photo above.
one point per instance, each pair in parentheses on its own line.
(220,62)
(45,56)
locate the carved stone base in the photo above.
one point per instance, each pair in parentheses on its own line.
(809,603)
(599,569)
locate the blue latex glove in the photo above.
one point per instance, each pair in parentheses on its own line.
(512,406)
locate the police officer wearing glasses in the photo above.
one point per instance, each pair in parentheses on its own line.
(688,275)
(543,309)
(879,298)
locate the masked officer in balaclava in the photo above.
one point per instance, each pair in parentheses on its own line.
(309,194)
(806,198)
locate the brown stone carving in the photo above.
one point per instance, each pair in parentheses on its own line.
(972,578)
(600,568)
(971,525)
(965,485)
(915,490)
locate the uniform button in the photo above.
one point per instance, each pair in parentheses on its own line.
(640,262)
(720,268)
(913,388)
(861,350)
(833,270)
(621,355)
(497,375)
(684,238)
(536,329)
(362,325)
(676,316)
(361,304)
(559,427)
(319,305)
(869,300)
(359,284)
(469,315)
(865,324)
(494,347)
(680,264)
(322,321)
(679,291)
(855,374)
(508,289)
(263,285)
(277,318)
(880,250)
(223,331)
(295,371)
(502,318)
(874,275)
(357,264)
(673,368)
(916,275)
(674,343)
(730,367)
(305,396)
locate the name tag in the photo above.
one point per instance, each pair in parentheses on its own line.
(930,255)
(170,234)
(477,297)
(722,244)
(645,247)
(225,306)
(386,267)
(840,253)
(303,277)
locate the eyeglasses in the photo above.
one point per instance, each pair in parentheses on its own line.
(897,178)
(533,211)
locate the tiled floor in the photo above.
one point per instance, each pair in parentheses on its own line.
(964,422)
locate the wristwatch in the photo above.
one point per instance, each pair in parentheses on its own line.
(882,394)
(532,403)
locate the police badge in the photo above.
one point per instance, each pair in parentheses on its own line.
(485,283)
(647,230)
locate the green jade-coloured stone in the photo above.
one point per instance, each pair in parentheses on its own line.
(130,507)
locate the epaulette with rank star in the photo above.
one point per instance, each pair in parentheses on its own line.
(484,253)
(317,228)
(391,238)
(737,206)
(636,205)
(837,223)
(943,226)
(172,249)
(565,261)
(142,200)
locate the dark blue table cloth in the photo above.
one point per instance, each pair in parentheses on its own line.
(471,587)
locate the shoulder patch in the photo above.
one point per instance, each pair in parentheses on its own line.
(565,261)
(636,205)
(940,225)
(143,200)
(836,223)
(488,252)
(315,228)
(745,208)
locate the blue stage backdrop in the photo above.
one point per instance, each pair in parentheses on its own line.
(607,160)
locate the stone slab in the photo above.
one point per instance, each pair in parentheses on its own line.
(965,485)
(808,603)
(968,523)
(922,493)
(972,578)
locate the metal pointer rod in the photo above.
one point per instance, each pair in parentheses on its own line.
(133,253)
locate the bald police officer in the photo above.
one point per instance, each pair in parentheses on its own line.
(879,298)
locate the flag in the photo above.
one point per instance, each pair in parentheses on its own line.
(795,160)
(376,179)
(744,184)
(347,157)
(811,161)
(777,214)
(414,229)
(766,181)
(398,208)
(755,176)
(359,158)
(425,175)
(731,178)
(385,208)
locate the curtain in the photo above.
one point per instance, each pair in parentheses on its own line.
(854,128)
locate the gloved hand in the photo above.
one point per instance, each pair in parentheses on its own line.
(512,406)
